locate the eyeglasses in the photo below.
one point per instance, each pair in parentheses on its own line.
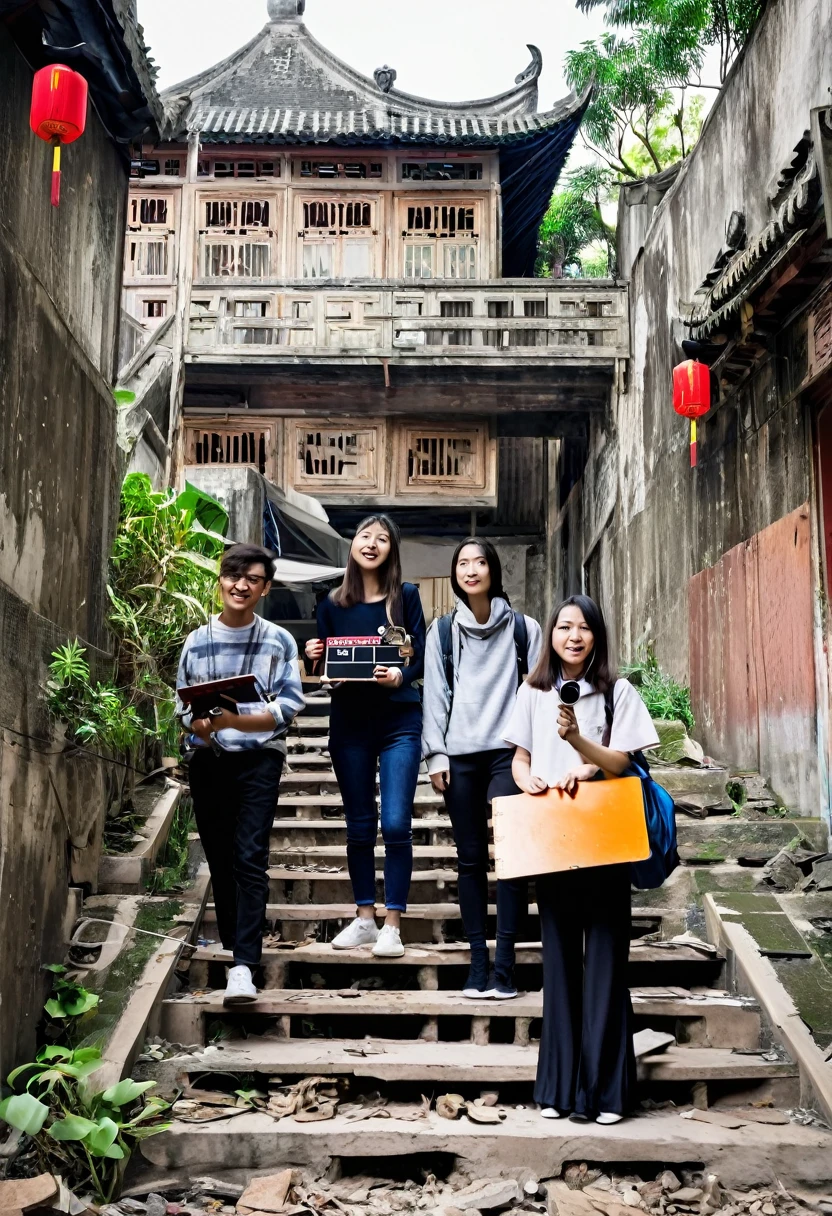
(250,580)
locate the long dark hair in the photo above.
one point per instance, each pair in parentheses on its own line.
(351,591)
(495,569)
(598,670)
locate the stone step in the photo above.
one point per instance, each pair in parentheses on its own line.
(425,797)
(310,724)
(300,920)
(425,856)
(752,840)
(797,1155)
(707,1021)
(443,1063)
(429,886)
(296,829)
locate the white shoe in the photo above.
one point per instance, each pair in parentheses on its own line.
(239,989)
(363,931)
(549,1112)
(389,944)
(608,1117)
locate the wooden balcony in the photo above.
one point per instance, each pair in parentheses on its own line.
(502,323)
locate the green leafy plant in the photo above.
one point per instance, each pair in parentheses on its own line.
(69,999)
(87,1138)
(664,697)
(574,238)
(172,868)
(163,582)
(97,713)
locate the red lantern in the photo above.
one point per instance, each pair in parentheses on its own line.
(692,396)
(59,113)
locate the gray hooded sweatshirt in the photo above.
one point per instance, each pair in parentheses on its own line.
(485,684)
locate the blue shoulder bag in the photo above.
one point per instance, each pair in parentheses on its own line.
(659,811)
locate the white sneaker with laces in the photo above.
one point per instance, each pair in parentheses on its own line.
(362,931)
(389,944)
(239,989)
(609,1117)
(549,1112)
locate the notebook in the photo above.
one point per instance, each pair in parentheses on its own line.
(603,825)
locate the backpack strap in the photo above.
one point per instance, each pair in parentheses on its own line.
(521,643)
(609,714)
(446,646)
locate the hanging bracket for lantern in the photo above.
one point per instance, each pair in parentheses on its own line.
(58,114)
(692,396)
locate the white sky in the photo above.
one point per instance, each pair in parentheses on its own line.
(451,51)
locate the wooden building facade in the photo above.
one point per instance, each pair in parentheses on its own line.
(345,271)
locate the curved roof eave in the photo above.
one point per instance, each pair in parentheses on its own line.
(185,96)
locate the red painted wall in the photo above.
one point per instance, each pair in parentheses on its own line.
(752,659)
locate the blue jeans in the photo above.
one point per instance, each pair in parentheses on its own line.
(391,740)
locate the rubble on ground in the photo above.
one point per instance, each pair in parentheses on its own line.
(580,1190)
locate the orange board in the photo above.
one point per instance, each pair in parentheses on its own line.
(603,825)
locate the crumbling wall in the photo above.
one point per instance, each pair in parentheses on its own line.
(60,276)
(649,524)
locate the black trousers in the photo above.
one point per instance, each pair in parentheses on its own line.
(586,1063)
(475,780)
(235,796)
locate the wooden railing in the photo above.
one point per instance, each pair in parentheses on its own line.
(507,321)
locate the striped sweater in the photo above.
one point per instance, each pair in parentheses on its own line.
(262,649)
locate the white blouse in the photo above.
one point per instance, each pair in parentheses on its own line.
(534,726)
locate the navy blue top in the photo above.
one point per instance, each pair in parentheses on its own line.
(365,620)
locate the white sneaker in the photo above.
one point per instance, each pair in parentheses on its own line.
(239,990)
(389,944)
(549,1112)
(608,1117)
(363,931)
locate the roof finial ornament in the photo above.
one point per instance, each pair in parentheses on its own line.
(385,78)
(286,10)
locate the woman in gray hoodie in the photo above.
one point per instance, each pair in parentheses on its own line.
(475,659)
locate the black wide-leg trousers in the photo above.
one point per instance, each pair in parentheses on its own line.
(586,1063)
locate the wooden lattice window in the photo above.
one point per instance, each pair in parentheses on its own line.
(236,258)
(446,457)
(219,444)
(148,211)
(335,457)
(442,221)
(321,215)
(232,214)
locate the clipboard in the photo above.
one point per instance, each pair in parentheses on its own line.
(201,699)
(602,825)
(355,659)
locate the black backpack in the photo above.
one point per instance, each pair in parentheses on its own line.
(521,643)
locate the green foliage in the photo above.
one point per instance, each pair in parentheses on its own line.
(164,574)
(679,33)
(97,713)
(172,868)
(85,1137)
(163,584)
(639,120)
(574,239)
(664,697)
(69,1000)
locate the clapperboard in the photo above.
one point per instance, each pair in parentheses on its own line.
(357,658)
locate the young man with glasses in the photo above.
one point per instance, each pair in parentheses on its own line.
(238,758)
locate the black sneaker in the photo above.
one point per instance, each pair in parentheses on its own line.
(477,982)
(501,987)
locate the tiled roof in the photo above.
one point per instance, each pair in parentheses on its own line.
(285,87)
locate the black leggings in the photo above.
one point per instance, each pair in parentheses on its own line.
(475,780)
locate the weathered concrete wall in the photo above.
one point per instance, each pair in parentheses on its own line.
(648,523)
(59,288)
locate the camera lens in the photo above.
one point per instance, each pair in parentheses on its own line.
(570,692)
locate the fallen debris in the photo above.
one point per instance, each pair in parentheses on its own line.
(22,1193)
(649,1042)
(265,1194)
(487,1193)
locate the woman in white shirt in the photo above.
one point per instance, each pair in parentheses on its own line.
(586,1067)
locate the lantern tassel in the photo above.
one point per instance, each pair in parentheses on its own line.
(693,443)
(56,175)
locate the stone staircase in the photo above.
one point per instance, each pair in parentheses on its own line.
(398,1029)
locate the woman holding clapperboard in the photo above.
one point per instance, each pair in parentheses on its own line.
(586,1066)
(376,724)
